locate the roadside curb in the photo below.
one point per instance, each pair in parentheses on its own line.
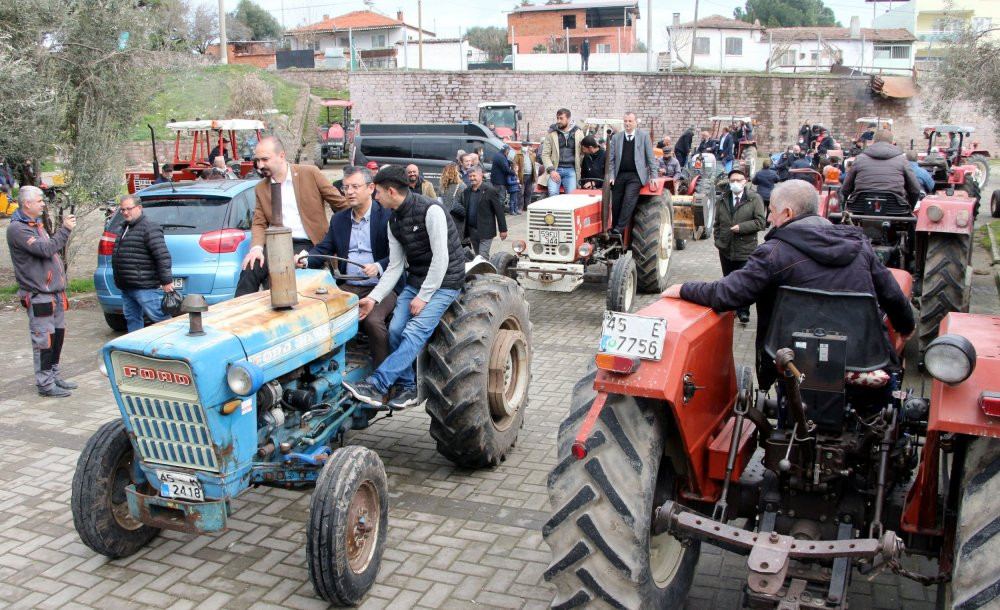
(994,255)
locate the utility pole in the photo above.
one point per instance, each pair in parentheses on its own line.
(649,35)
(223,45)
(694,34)
(420,34)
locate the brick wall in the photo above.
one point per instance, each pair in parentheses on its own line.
(532,28)
(668,103)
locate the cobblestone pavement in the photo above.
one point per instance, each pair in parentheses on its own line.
(457,538)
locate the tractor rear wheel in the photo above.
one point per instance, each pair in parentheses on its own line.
(98,502)
(622,282)
(476,371)
(653,242)
(995,204)
(348,520)
(974,582)
(943,288)
(600,532)
(704,214)
(982,164)
(749,157)
(318,156)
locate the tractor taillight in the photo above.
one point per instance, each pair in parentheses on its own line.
(222,241)
(990,403)
(106,246)
(617,364)
(519,246)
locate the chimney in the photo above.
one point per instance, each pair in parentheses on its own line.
(677,20)
(326,17)
(855,27)
(399,16)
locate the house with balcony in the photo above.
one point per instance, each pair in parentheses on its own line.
(935,22)
(609,25)
(378,40)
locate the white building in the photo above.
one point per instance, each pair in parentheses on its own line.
(439,54)
(376,38)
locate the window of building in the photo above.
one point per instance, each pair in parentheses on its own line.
(603,48)
(316,45)
(574,49)
(946,24)
(702,45)
(981,24)
(814,57)
(787,58)
(343,41)
(569,22)
(378,41)
(608,17)
(734,46)
(892,51)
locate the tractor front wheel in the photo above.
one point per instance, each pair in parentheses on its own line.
(982,174)
(600,532)
(749,157)
(704,214)
(348,520)
(653,242)
(476,370)
(943,288)
(98,502)
(622,282)
(318,156)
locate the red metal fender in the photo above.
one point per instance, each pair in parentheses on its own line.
(653,187)
(956,213)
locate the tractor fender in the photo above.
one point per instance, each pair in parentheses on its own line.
(653,187)
(957,214)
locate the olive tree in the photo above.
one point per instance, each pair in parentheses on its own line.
(969,70)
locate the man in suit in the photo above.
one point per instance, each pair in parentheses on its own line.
(360,234)
(632,164)
(483,213)
(304,191)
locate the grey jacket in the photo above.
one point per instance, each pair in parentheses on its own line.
(882,167)
(35,255)
(645,160)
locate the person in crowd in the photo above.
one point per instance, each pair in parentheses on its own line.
(882,167)
(41,285)
(483,213)
(923,176)
(216,151)
(707,145)
(525,165)
(469,160)
(166,174)
(585,55)
(424,240)
(826,142)
(451,188)
(764,181)
(562,154)
(141,265)
(501,176)
(631,165)
(592,168)
(305,193)
(683,147)
(417,182)
(739,215)
(726,149)
(669,167)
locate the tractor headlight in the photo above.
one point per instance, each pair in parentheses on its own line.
(563,250)
(934,213)
(244,378)
(585,249)
(950,359)
(101,366)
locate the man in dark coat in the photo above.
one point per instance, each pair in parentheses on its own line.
(802,250)
(592,164)
(141,265)
(585,54)
(483,213)
(739,216)
(683,147)
(882,167)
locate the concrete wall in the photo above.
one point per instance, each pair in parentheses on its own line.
(599,62)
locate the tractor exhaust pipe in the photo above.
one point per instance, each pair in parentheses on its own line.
(280,256)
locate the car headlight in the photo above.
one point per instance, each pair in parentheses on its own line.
(244,378)
(950,359)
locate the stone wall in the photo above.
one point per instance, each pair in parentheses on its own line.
(667,102)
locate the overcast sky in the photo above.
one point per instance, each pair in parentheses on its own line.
(447,18)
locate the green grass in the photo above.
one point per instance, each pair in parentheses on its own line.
(204,93)
(336,114)
(76,286)
(985,238)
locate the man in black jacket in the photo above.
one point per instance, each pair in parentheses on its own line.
(592,164)
(483,213)
(882,167)
(141,265)
(802,250)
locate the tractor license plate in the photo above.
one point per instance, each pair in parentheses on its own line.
(178,283)
(549,237)
(180,486)
(631,335)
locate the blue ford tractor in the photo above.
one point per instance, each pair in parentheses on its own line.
(248,392)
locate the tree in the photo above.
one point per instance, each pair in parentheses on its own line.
(203,26)
(787,13)
(540,48)
(969,70)
(262,25)
(492,40)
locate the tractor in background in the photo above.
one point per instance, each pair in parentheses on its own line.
(953,169)
(248,392)
(694,198)
(334,136)
(745,151)
(504,119)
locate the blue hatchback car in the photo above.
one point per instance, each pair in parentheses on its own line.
(206,225)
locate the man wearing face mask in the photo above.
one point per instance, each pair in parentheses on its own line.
(739,215)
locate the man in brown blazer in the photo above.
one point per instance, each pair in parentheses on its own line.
(304,191)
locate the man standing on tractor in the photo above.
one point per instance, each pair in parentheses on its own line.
(562,154)
(882,167)
(727,148)
(802,250)
(304,191)
(632,165)
(423,238)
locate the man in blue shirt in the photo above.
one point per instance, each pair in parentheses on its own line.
(360,234)
(923,176)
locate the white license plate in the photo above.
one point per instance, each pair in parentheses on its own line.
(179,485)
(178,283)
(549,238)
(631,335)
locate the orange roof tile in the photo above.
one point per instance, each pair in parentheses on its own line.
(352,20)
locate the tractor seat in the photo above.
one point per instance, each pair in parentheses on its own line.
(934,160)
(878,203)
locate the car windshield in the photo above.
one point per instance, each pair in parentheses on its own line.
(181,216)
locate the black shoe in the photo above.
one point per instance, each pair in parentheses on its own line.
(404,399)
(53,391)
(66,385)
(365,392)
(744,316)
(615,233)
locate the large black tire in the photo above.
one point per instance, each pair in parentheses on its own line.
(971,187)
(680,244)
(622,283)
(653,242)
(98,501)
(318,156)
(600,531)
(116,322)
(348,520)
(982,169)
(476,372)
(749,158)
(943,288)
(974,580)
(995,204)
(505,264)
(704,215)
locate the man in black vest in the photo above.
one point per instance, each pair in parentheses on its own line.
(423,237)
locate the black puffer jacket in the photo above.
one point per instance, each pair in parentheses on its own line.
(140,258)
(882,167)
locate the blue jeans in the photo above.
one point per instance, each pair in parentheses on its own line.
(407,336)
(567,180)
(729,166)
(139,301)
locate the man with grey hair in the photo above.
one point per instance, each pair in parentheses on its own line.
(41,285)
(802,250)
(483,213)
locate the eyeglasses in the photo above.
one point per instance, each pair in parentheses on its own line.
(354,187)
(128,209)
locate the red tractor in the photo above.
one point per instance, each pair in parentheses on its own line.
(667,446)
(334,137)
(568,233)
(192,145)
